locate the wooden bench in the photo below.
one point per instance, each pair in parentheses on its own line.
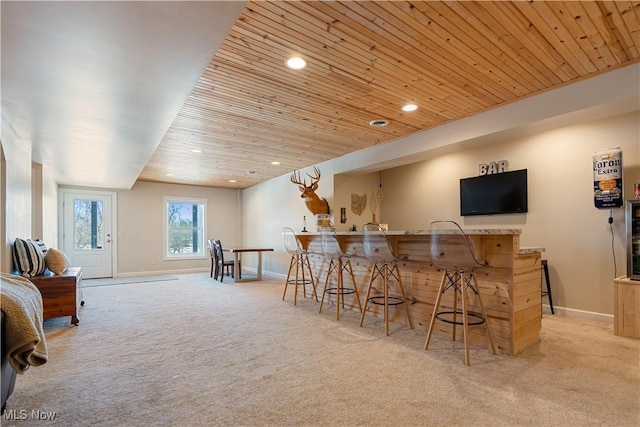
(61,293)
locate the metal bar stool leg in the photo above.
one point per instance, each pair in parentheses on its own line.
(547,293)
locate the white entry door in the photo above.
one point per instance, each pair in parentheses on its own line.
(87,233)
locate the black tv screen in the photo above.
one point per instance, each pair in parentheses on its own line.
(499,193)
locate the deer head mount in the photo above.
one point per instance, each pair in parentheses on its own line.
(315,204)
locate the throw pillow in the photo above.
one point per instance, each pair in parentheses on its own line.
(28,258)
(43,245)
(56,261)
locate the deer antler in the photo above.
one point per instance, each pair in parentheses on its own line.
(295,178)
(316,176)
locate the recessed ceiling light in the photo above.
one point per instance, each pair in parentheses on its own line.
(232,180)
(275,163)
(410,107)
(296,63)
(252,172)
(378,123)
(169,174)
(195,150)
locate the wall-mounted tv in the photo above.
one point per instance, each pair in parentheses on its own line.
(499,193)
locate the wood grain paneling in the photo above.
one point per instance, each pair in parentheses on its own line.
(365,60)
(510,289)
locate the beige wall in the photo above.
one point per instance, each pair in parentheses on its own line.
(267,208)
(36,201)
(29,197)
(561,218)
(17,191)
(358,184)
(140,242)
(49,209)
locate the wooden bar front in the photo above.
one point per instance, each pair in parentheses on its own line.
(510,283)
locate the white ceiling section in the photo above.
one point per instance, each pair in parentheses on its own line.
(96,85)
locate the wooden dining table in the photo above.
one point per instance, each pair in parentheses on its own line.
(237,252)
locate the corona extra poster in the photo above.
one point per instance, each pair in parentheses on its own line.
(607,178)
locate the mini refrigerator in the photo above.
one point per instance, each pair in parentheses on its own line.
(633,239)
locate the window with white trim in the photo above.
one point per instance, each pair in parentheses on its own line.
(184,222)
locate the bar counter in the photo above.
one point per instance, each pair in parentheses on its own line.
(510,283)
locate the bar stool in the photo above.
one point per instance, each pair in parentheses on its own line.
(299,258)
(452,250)
(378,251)
(547,293)
(339,262)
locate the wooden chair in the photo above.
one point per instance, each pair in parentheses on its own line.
(214,258)
(378,251)
(339,262)
(452,250)
(222,264)
(299,258)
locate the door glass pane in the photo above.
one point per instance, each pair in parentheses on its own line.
(88,224)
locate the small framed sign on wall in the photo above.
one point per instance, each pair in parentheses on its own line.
(607,178)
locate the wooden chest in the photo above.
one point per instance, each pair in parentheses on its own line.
(61,294)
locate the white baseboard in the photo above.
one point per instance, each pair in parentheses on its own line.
(162,272)
(560,311)
(581,314)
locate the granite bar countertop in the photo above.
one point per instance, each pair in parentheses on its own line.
(480,231)
(427,232)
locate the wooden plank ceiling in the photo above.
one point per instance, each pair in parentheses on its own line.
(365,60)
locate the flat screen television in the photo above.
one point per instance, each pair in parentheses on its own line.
(499,193)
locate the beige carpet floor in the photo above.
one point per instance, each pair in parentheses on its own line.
(195,352)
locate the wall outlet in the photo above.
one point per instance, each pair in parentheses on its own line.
(153,261)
